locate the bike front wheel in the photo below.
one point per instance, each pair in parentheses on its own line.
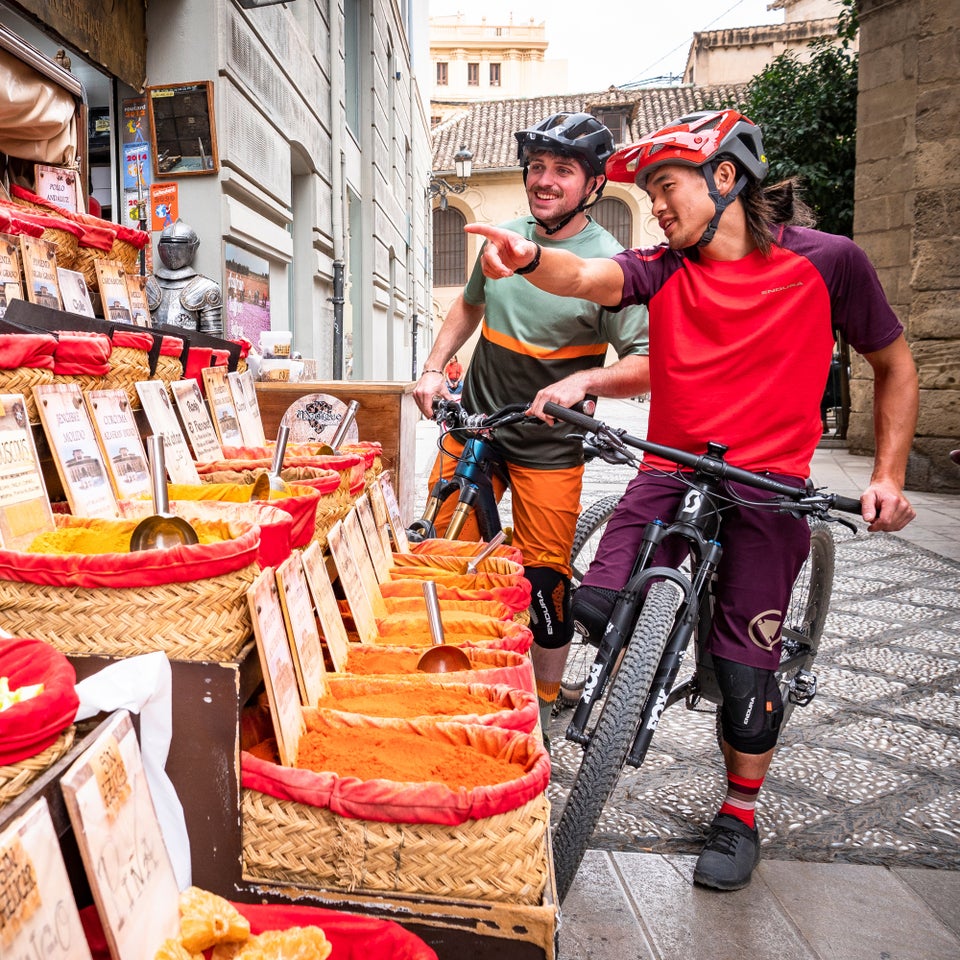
(590,527)
(612,737)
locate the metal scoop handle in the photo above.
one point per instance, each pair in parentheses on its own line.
(348,417)
(495,542)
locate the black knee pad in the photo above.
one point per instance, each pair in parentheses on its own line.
(549,607)
(752,706)
(591,611)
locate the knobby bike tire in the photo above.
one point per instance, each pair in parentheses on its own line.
(605,754)
(809,604)
(590,527)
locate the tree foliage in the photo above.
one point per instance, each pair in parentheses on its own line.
(808,114)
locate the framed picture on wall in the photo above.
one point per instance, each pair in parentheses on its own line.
(183,136)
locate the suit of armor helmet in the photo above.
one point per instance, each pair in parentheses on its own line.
(176,294)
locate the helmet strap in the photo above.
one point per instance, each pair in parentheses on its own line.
(720,202)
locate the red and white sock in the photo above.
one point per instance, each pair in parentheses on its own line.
(741,798)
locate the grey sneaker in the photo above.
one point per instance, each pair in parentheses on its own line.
(729,855)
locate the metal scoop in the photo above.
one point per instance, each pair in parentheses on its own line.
(492,545)
(272,481)
(441,657)
(330,449)
(163,530)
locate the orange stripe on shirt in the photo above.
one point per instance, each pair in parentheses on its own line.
(543,353)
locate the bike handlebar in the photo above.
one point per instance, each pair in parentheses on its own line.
(711,464)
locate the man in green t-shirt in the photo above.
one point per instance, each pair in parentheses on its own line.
(538,347)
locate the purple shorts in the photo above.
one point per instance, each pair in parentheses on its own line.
(763,551)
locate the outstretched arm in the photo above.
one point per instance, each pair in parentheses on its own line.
(558,271)
(895,404)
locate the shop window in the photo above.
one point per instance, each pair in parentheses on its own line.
(449,248)
(473,74)
(617,121)
(614,215)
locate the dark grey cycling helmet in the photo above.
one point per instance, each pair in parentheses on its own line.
(577,135)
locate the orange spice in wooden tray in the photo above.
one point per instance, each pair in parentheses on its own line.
(422,700)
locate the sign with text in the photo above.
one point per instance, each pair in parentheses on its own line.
(397,529)
(301,624)
(163,421)
(196,421)
(276,662)
(119,437)
(368,575)
(38,916)
(222,407)
(24,506)
(122,849)
(364,619)
(382,561)
(321,589)
(248,410)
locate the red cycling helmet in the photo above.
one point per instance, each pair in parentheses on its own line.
(694,140)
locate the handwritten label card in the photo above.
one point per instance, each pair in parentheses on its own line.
(196,419)
(368,576)
(10,286)
(248,410)
(364,618)
(397,529)
(40,271)
(276,661)
(24,506)
(321,589)
(76,452)
(163,421)
(220,397)
(121,845)
(301,624)
(38,912)
(382,560)
(74,292)
(112,281)
(119,437)
(379,507)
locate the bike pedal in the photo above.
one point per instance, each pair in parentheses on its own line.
(803,688)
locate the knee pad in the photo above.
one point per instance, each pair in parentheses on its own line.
(549,607)
(591,611)
(752,706)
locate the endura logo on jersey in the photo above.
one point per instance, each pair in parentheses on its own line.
(764,628)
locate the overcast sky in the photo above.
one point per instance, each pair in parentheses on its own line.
(631,41)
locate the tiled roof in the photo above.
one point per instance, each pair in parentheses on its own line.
(487,127)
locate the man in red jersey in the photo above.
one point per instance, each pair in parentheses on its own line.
(743,302)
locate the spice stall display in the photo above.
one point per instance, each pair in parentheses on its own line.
(420,808)
(25,361)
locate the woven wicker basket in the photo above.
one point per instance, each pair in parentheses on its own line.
(502,858)
(16,777)
(20,380)
(127,366)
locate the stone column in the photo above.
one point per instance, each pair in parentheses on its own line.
(907,214)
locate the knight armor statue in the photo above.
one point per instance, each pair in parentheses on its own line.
(176,294)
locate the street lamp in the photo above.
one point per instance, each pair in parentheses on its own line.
(463,166)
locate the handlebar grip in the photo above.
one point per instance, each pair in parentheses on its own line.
(570,416)
(847,505)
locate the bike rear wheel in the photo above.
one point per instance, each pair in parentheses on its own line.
(806,614)
(590,527)
(612,737)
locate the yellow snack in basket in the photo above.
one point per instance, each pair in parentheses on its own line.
(207,919)
(296,943)
(175,950)
(9,697)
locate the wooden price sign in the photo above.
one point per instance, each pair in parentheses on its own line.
(397,529)
(76,452)
(324,599)
(368,575)
(302,633)
(276,662)
(244,395)
(221,404)
(196,420)
(38,917)
(163,421)
(364,618)
(380,517)
(119,438)
(382,560)
(121,845)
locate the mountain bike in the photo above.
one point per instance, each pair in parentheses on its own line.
(631,679)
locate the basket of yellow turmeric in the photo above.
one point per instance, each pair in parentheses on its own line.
(80,589)
(404,807)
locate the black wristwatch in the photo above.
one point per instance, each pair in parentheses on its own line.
(533,264)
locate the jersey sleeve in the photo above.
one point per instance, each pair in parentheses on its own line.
(627,330)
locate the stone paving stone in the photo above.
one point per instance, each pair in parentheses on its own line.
(940,891)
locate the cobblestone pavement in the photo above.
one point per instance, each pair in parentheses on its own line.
(867,773)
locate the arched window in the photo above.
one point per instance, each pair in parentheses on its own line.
(449,248)
(614,215)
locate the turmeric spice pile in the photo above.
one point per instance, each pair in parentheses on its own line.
(371,753)
(422,700)
(369,660)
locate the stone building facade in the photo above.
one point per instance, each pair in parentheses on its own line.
(907,207)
